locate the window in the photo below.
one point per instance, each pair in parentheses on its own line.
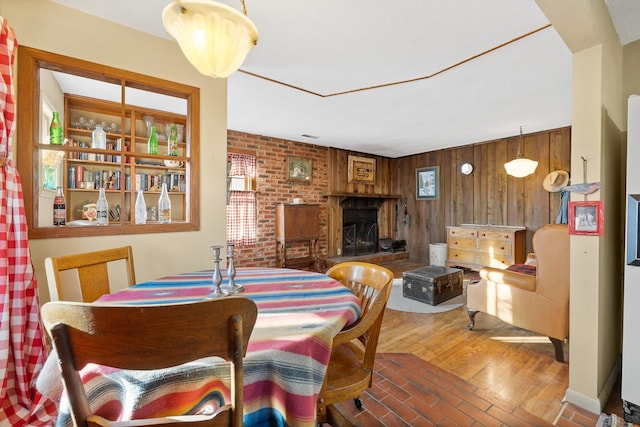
(241,203)
(87,95)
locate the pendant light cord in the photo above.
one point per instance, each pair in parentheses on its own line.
(519,153)
(244,8)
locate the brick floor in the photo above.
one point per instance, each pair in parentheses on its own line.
(408,391)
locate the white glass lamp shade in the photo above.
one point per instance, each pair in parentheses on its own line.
(520,167)
(214,37)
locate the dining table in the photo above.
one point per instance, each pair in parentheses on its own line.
(299,314)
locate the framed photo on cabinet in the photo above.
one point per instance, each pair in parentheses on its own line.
(586,218)
(362,170)
(427,183)
(298,170)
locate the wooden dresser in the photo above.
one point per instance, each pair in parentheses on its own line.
(297,224)
(475,246)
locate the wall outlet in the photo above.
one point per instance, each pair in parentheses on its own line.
(339,251)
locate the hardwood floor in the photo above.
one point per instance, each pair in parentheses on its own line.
(512,364)
(516,365)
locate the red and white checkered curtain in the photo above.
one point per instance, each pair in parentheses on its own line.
(241,209)
(22,349)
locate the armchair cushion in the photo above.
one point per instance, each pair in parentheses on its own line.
(509,278)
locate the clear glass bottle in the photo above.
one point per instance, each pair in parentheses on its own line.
(59,208)
(141,209)
(102,208)
(55,130)
(152,145)
(99,138)
(172,139)
(164,206)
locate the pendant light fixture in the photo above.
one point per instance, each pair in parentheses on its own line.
(520,167)
(214,37)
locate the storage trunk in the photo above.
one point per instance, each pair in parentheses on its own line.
(432,284)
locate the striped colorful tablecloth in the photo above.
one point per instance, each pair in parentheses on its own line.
(299,313)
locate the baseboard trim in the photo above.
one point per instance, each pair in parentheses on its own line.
(591,404)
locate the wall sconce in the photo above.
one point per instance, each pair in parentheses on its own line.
(214,37)
(520,166)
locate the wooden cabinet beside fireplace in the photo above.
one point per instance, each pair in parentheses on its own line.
(475,246)
(297,230)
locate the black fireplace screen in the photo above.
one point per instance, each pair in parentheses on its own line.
(359,231)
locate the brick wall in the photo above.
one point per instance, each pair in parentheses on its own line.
(272,188)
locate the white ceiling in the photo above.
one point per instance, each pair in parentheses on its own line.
(390,77)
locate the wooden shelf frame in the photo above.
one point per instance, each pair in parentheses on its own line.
(31,62)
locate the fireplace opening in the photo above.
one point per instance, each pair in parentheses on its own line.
(359,231)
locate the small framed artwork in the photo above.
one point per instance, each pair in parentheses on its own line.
(298,170)
(427,183)
(362,170)
(586,218)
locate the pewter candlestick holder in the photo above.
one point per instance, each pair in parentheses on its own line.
(231,287)
(217,276)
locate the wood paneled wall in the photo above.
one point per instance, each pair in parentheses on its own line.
(339,188)
(487,196)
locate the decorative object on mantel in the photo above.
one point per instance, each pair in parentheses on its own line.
(299,170)
(427,183)
(214,37)
(362,170)
(520,166)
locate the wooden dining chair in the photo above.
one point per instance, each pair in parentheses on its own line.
(350,370)
(150,337)
(92,268)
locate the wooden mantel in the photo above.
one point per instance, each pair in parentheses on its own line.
(367,195)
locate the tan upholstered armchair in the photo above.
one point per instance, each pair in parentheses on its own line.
(540,302)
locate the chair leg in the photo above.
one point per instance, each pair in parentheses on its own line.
(336,419)
(357,402)
(472,318)
(557,345)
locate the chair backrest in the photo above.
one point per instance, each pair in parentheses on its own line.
(551,247)
(148,337)
(372,284)
(92,268)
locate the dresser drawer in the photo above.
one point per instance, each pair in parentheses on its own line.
(495,235)
(462,255)
(496,261)
(462,243)
(497,248)
(462,233)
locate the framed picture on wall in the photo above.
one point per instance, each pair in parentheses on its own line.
(298,170)
(586,218)
(427,183)
(362,170)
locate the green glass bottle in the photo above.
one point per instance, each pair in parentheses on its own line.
(152,146)
(173,140)
(55,130)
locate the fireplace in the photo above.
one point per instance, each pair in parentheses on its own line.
(359,231)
